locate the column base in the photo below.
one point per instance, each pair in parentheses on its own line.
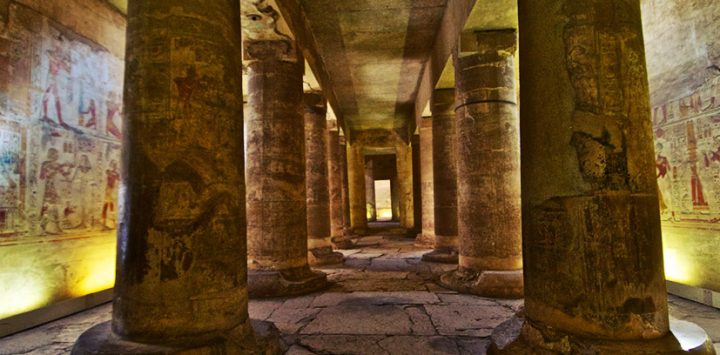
(424,240)
(442,255)
(101,340)
(518,336)
(324,256)
(283,283)
(488,283)
(342,242)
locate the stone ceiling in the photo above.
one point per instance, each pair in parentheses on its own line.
(374,52)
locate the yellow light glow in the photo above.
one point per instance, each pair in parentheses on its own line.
(676,267)
(99,274)
(22,293)
(384,214)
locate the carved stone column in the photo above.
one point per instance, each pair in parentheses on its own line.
(356,188)
(347,228)
(404,184)
(488,150)
(593,259)
(181,270)
(445,176)
(317,184)
(395,197)
(276,204)
(370,190)
(427,237)
(416,187)
(337,201)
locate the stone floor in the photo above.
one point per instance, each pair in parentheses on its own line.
(384,301)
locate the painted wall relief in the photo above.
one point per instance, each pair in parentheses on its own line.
(60,132)
(687,145)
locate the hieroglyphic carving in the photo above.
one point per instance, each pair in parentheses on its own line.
(60,127)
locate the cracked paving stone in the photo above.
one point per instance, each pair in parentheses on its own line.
(421,323)
(343,344)
(467,299)
(374,298)
(410,345)
(262,309)
(360,319)
(290,320)
(467,320)
(472,346)
(298,350)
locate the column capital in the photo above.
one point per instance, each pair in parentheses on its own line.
(262,50)
(442,102)
(314,102)
(493,43)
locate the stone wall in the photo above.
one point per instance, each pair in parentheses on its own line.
(61,76)
(683,53)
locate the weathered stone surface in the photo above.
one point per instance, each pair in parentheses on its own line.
(276,199)
(467,320)
(489,224)
(445,177)
(374,298)
(54,338)
(181,259)
(366,319)
(407,345)
(356,188)
(427,236)
(370,207)
(335,180)
(591,220)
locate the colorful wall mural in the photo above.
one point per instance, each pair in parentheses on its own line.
(60,142)
(683,55)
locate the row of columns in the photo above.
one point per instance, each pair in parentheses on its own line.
(591,273)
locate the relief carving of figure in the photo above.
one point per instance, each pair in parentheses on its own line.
(51,171)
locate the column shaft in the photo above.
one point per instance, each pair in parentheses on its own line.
(591,223)
(370,190)
(336,184)
(181,268)
(347,228)
(276,196)
(488,149)
(317,182)
(427,238)
(416,186)
(356,187)
(405,186)
(445,176)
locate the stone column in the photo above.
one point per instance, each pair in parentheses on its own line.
(488,151)
(276,204)
(181,269)
(403,162)
(316,182)
(356,188)
(395,197)
(427,237)
(445,177)
(336,165)
(416,187)
(347,228)
(593,260)
(370,190)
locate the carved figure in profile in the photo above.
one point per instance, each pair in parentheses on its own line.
(260,22)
